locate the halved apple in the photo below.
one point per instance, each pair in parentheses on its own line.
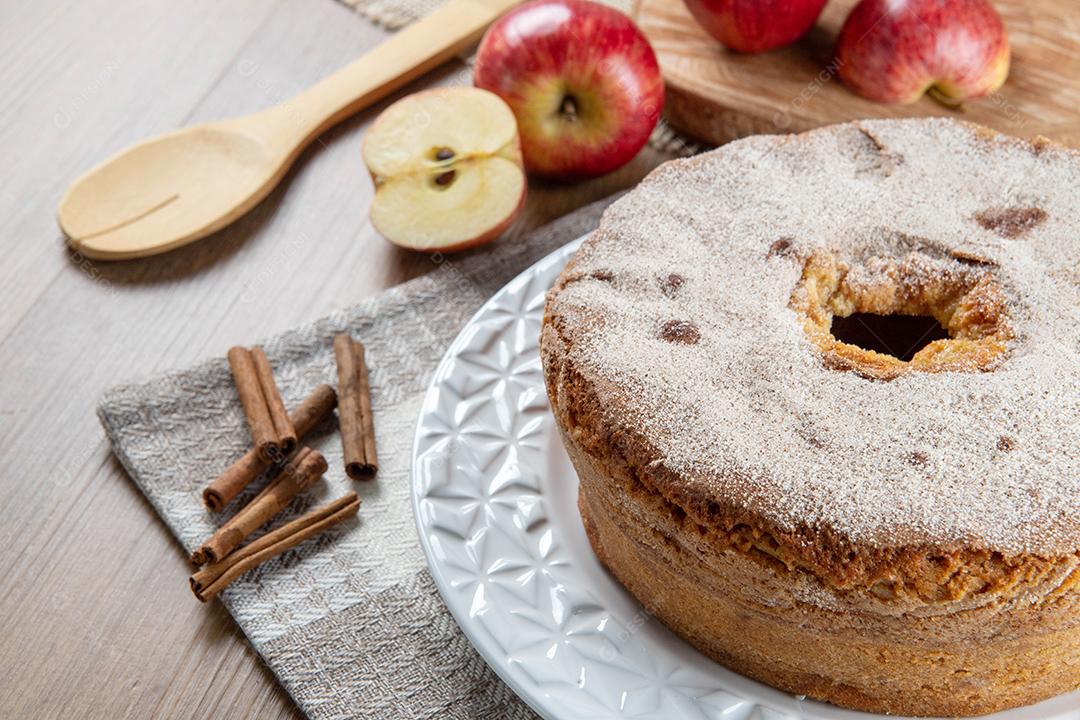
(447,169)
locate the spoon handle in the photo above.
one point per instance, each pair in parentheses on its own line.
(398,60)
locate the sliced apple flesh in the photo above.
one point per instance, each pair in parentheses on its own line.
(447,169)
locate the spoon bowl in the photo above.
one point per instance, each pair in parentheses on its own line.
(174,188)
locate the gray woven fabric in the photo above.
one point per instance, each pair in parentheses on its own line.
(350,621)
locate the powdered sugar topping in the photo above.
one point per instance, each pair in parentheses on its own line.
(747,410)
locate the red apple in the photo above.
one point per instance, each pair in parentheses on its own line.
(895,50)
(582,81)
(753,26)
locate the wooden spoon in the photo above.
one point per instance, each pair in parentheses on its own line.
(182,186)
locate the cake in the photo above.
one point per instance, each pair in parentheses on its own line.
(866,518)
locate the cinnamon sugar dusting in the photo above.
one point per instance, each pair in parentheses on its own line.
(781,247)
(671,284)
(1011,222)
(680,331)
(920,459)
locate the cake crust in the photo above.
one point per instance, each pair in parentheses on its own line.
(715,435)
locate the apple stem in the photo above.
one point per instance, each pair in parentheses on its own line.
(941,98)
(568,108)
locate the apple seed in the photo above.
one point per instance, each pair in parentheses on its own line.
(443,180)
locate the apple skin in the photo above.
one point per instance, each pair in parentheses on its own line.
(753,26)
(893,51)
(582,81)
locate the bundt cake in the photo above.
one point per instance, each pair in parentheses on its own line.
(822,393)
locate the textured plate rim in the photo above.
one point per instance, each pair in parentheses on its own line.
(1052,709)
(434,568)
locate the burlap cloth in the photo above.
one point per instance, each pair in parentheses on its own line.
(350,622)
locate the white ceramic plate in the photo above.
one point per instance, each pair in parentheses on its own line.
(495,501)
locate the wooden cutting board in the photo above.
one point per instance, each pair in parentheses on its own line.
(716,95)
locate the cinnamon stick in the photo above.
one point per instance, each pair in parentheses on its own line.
(283,426)
(212,579)
(243,472)
(263,433)
(354,409)
(302,469)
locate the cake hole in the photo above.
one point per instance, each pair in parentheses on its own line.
(901,336)
(882,316)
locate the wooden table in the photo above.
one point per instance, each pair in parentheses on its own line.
(97,619)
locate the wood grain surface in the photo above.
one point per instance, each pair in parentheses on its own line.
(717,95)
(96,618)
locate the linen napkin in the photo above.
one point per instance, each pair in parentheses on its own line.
(350,622)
